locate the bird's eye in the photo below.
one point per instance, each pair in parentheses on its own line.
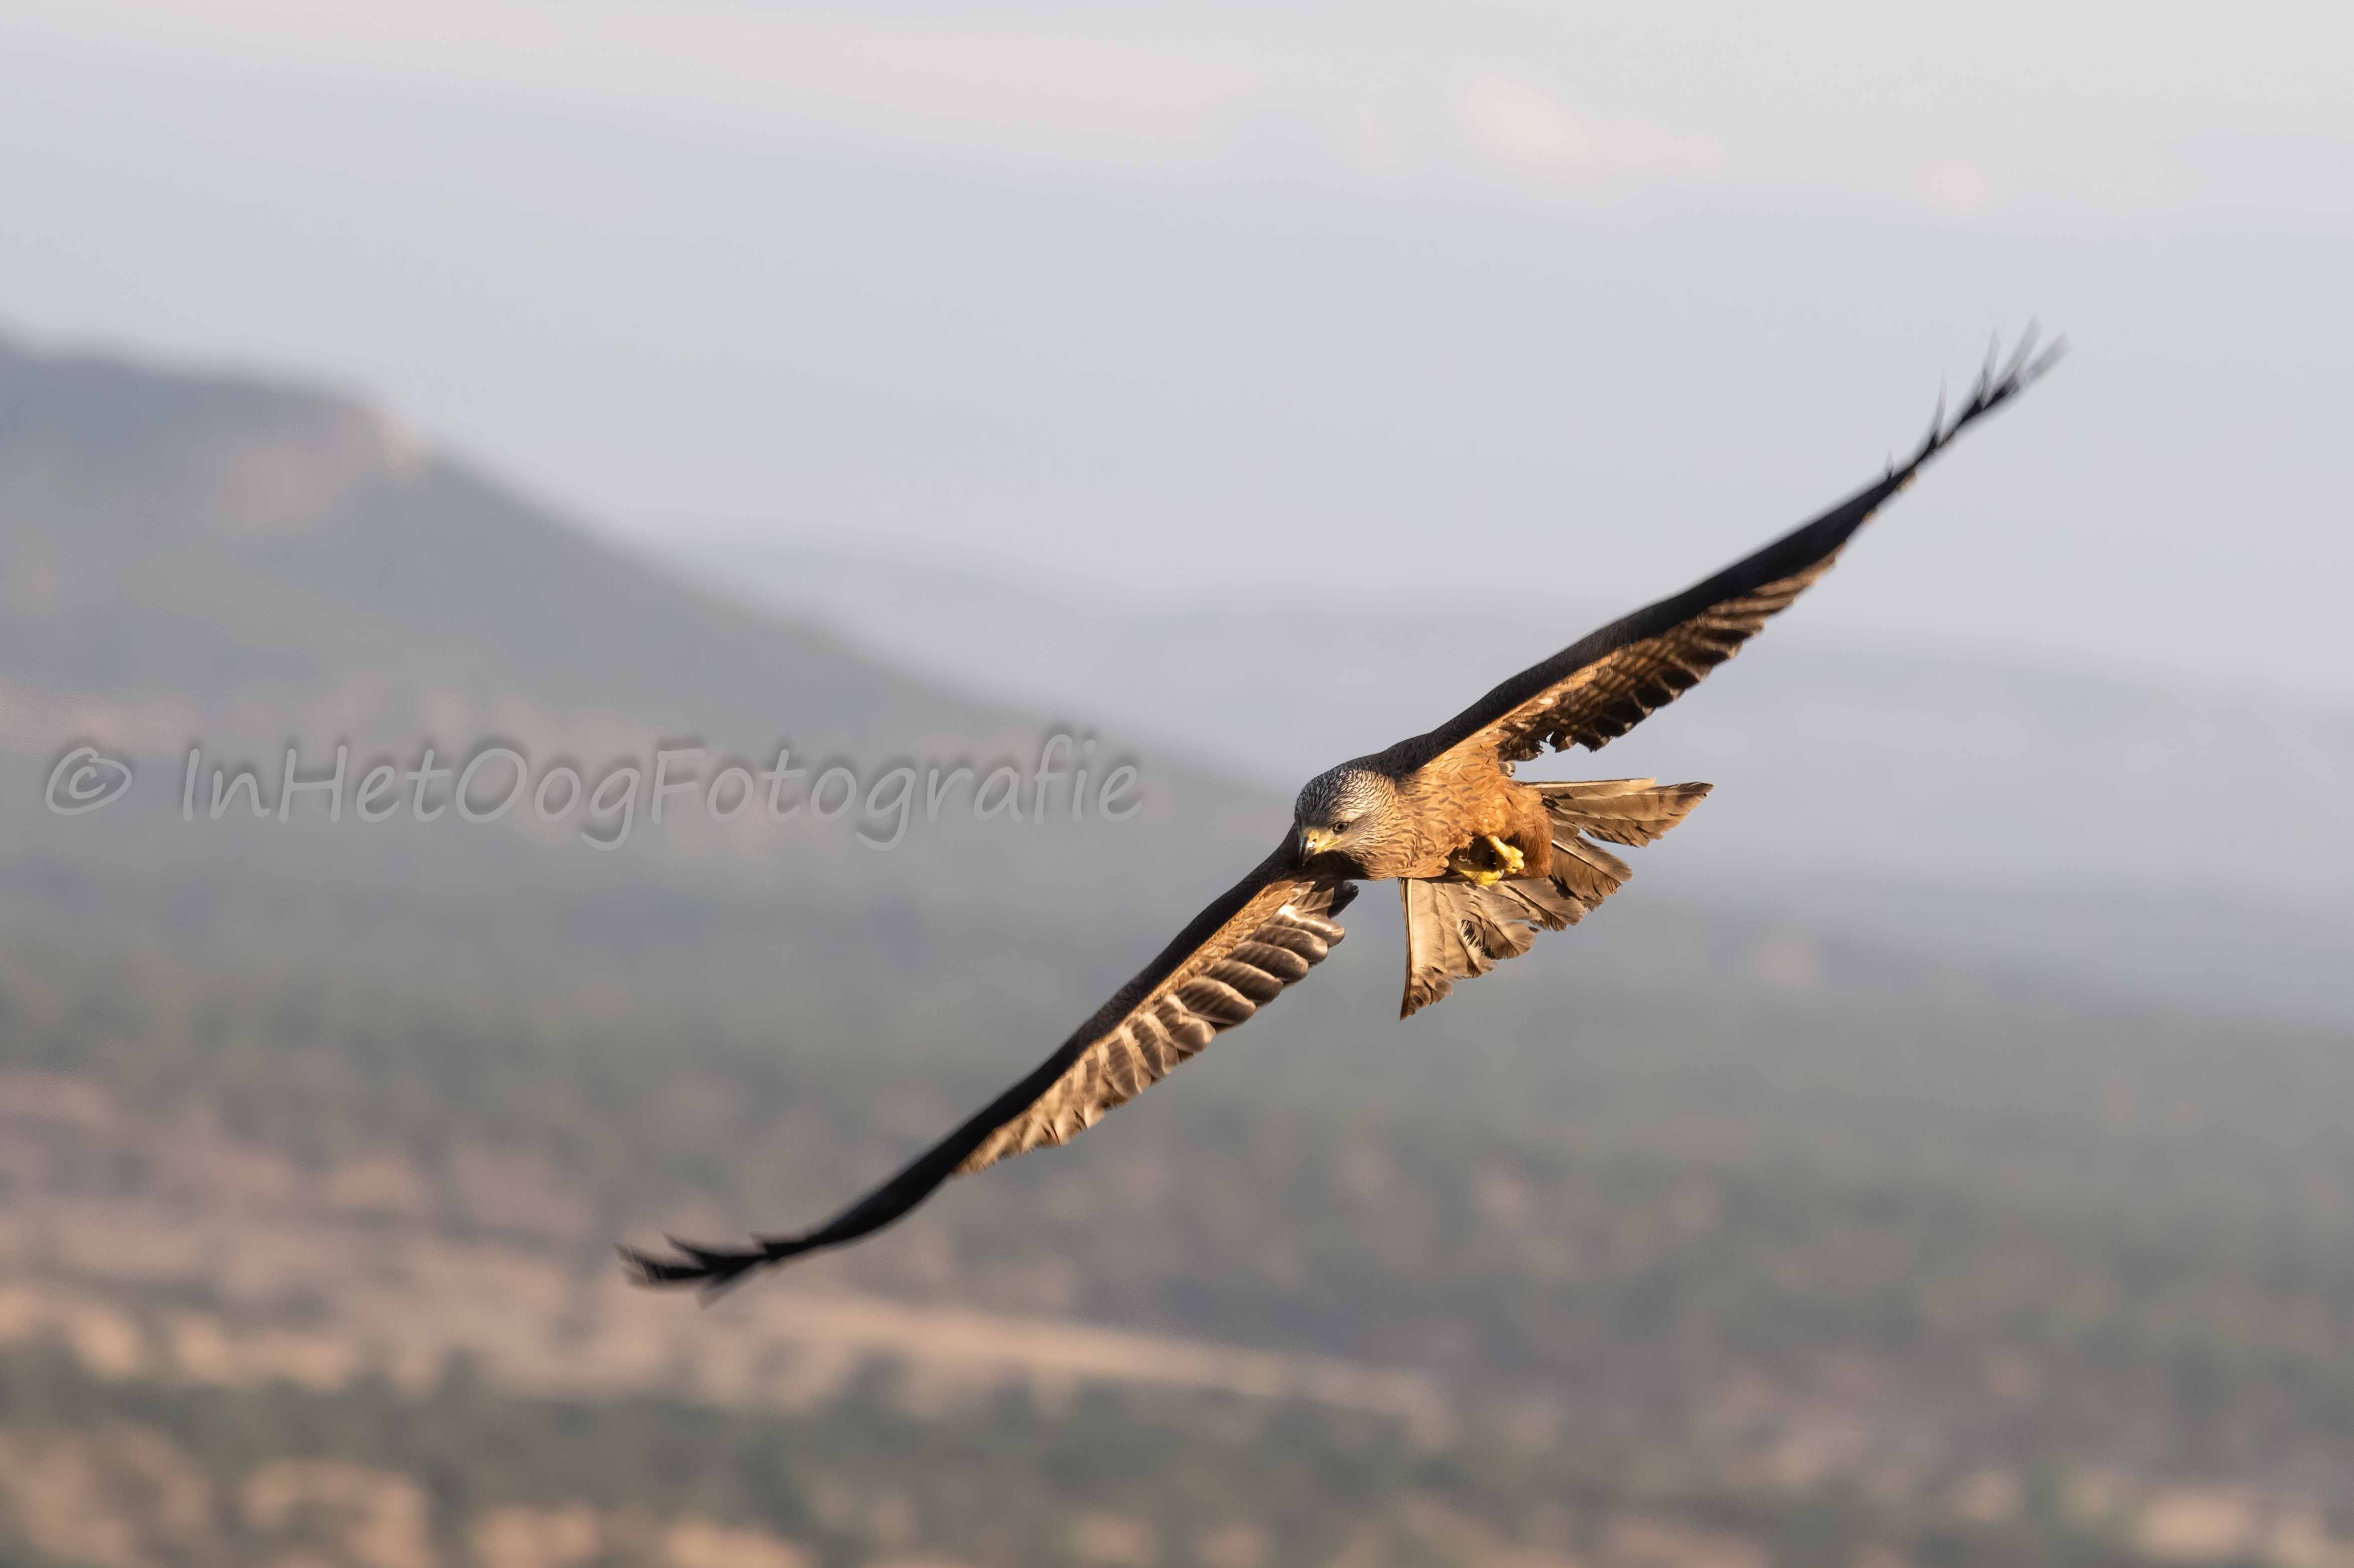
(1344,824)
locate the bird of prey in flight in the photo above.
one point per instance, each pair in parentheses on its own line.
(1482,861)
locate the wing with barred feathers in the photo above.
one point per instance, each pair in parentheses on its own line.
(1241,953)
(1596,689)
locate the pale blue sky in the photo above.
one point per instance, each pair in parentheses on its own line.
(1194,295)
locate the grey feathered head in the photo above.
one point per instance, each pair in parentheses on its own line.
(1342,806)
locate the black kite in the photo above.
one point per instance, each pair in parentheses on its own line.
(1483,861)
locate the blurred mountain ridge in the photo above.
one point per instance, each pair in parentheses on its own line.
(1716,1233)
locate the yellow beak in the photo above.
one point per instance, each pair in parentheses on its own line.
(1314,842)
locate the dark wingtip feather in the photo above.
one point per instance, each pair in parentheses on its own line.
(1937,433)
(1999,381)
(2052,355)
(2026,349)
(710,1270)
(645,1269)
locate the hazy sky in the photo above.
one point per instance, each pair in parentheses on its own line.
(1200,295)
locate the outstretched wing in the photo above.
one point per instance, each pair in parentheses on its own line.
(1266,932)
(1596,689)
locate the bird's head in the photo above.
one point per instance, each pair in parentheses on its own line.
(1341,810)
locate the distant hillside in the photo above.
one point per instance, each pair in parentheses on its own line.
(249,556)
(208,560)
(1708,1234)
(205,561)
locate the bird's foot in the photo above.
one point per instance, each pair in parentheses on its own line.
(1470,868)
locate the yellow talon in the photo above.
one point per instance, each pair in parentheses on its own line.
(1477,875)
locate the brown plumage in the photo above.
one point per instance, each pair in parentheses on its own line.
(1457,930)
(1482,861)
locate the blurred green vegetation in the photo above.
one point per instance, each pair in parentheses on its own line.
(1007,1482)
(2039,1307)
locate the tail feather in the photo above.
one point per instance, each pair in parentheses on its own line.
(1631,811)
(1457,930)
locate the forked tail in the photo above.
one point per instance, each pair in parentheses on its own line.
(1457,930)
